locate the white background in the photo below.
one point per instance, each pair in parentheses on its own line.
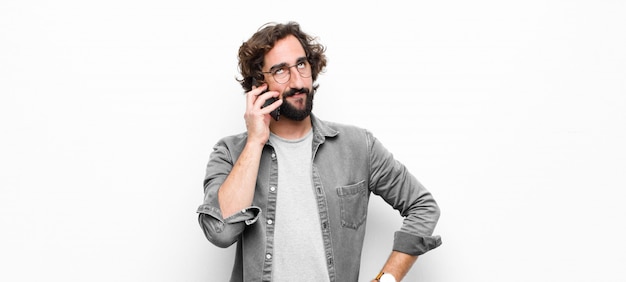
(512,113)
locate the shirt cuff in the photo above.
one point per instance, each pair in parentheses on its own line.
(248,215)
(413,244)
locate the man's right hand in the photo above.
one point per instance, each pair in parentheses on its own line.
(258,118)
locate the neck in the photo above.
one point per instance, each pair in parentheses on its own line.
(291,129)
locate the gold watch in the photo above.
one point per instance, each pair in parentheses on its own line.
(385,277)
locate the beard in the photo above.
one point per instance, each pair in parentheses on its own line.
(287,110)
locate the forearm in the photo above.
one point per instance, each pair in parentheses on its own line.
(237,191)
(398,264)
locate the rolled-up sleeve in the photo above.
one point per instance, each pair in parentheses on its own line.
(219,231)
(399,188)
(224,232)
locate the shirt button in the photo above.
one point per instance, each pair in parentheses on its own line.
(243,211)
(273,155)
(269,221)
(272,189)
(268,256)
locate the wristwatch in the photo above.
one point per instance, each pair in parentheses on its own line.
(385,277)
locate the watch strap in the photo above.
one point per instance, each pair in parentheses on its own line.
(380,274)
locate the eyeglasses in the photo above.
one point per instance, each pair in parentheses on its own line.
(282,73)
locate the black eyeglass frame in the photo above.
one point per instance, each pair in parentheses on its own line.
(273,71)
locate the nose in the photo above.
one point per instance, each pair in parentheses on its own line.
(295,79)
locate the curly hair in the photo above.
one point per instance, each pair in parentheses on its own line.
(252,52)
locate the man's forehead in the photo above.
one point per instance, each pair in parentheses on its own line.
(286,51)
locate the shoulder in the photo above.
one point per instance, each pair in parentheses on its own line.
(347,129)
(342,132)
(232,141)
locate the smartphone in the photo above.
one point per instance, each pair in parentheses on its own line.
(275,113)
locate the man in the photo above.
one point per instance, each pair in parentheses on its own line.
(293,190)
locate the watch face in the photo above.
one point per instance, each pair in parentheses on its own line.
(387,278)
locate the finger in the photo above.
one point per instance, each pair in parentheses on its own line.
(263,97)
(253,94)
(271,107)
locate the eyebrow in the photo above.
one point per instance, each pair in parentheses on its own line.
(282,65)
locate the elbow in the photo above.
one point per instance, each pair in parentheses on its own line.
(220,234)
(436,212)
(220,241)
(432,214)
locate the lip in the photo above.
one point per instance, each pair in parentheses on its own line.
(297,95)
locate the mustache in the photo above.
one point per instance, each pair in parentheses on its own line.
(293,91)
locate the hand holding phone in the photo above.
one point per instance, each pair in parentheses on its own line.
(275,113)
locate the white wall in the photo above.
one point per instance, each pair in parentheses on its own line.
(513,114)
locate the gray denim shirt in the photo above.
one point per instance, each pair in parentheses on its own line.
(349,164)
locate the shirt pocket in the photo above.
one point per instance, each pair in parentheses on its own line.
(353,199)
